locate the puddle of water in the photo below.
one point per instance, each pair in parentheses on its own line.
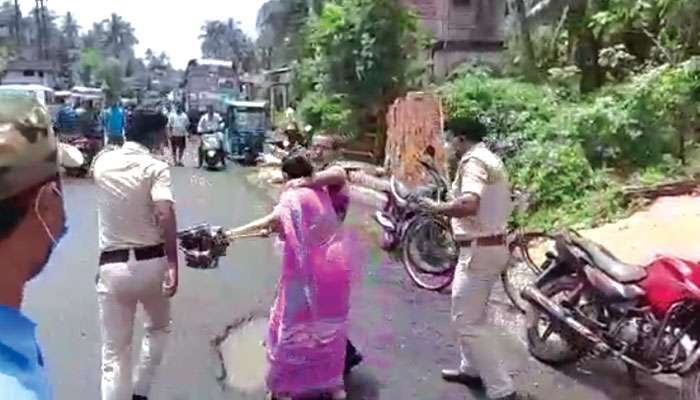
(244,356)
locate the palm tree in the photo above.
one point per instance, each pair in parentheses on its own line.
(150,57)
(95,37)
(71,30)
(120,37)
(214,40)
(227,41)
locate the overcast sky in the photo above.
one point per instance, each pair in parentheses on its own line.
(172,26)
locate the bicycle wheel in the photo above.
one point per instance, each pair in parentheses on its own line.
(525,266)
(429,253)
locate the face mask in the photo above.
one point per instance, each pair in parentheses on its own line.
(54,239)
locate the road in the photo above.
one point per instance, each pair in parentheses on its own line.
(402,331)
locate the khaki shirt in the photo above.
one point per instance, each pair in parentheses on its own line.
(129,180)
(482,173)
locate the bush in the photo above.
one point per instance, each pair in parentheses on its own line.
(559,148)
(330,114)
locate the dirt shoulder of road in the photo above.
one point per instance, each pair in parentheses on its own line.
(670,226)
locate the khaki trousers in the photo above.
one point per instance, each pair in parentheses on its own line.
(479,268)
(120,288)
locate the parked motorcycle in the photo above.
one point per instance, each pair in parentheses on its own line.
(211,150)
(587,303)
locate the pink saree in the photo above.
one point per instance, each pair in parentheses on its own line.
(308,321)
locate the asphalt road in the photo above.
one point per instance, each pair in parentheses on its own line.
(402,331)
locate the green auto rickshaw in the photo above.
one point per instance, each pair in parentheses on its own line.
(246,127)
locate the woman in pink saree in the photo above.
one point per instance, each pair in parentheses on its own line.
(309,318)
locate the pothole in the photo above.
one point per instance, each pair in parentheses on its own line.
(242,355)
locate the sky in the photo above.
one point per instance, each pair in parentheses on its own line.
(172,26)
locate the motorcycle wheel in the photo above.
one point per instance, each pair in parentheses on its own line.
(517,277)
(564,351)
(690,386)
(432,274)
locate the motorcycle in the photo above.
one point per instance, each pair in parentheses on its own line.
(89,147)
(211,150)
(426,244)
(588,304)
(427,249)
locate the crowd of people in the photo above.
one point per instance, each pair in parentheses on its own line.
(308,348)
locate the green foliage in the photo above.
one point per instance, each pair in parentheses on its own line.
(327,113)
(559,148)
(225,40)
(90,62)
(112,77)
(361,50)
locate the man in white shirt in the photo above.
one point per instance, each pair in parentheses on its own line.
(210,122)
(138,260)
(178,124)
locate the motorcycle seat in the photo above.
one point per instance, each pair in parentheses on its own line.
(608,263)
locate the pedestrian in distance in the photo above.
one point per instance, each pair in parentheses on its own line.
(178,125)
(115,122)
(32,222)
(480,211)
(138,259)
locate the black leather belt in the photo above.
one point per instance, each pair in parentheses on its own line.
(486,241)
(140,254)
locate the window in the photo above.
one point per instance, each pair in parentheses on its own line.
(41,74)
(28,72)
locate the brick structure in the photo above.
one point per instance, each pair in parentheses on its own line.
(414,133)
(463,30)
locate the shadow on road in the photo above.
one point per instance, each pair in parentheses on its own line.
(362,385)
(611,379)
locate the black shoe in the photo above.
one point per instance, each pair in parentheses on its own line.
(353,358)
(137,397)
(456,376)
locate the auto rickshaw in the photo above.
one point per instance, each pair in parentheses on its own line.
(246,126)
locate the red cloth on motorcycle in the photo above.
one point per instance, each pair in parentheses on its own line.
(670,280)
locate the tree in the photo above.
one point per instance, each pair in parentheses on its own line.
(111,74)
(360,53)
(214,40)
(71,30)
(90,63)
(95,37)
(119,37)
(227,41)
(150,57)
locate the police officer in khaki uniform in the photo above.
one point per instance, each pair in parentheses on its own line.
(479,212)
(32,221)
(138,260)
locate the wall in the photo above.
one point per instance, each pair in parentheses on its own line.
(17,77)
(461,28)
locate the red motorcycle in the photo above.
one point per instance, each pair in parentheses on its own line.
(587,303)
